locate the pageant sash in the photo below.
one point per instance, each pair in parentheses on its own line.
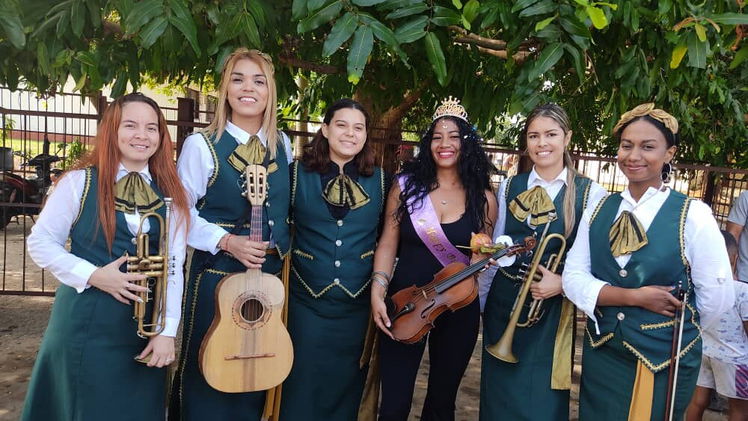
(429,230)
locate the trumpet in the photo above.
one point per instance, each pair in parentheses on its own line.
(156,269)
(503,348)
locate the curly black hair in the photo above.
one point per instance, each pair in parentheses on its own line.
(473,167)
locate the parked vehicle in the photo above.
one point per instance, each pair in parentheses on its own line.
(24,196)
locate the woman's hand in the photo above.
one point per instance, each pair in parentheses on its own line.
(116,283)
(549,286)
(249,253)
(161,351)
(657,299)
(379,309)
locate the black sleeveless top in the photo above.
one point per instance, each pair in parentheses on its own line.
(416,264)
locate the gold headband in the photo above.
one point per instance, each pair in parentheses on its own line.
(450,107)
(648,109)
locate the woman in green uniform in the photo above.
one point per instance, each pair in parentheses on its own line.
(633,252)
(85,368)
(549,199)
(244,130)
(337,195)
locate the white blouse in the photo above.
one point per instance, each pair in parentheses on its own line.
(552,187)
(46,243)
(195,168)
(704,248)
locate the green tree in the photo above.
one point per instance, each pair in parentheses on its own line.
(399,57)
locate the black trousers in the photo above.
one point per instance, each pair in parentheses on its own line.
(451,344)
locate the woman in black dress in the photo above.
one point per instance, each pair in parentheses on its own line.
(448,183)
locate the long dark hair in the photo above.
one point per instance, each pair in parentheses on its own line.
(473,168)
(316,155)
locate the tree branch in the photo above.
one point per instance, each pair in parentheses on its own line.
(307,65)
(494,47)
(471,38)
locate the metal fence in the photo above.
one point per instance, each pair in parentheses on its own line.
(60,125)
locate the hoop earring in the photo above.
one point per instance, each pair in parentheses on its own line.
(667,171)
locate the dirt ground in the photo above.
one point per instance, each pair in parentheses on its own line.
(24,318)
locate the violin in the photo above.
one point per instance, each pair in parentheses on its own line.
(412,310)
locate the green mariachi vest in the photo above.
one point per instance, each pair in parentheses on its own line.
(331,252)
(518,230)
(662,261)
(87,240)
(224,206)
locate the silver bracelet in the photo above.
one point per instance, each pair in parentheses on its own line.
(380,280)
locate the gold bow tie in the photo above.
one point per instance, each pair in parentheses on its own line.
(132,192)
(252,152)
(534,203)
(626,235)
(344,191)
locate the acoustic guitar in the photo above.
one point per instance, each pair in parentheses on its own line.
(247,347)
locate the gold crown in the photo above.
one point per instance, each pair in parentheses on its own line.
(451,107)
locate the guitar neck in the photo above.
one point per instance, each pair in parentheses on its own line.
(453,280)
(255,228)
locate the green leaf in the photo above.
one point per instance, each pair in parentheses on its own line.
(678,53)
(436,57)
(42,56)
(696,52)
(86,58)
(382,32)
(298,9)
(611,5)
(385,34)
(340,33)
(11,26)
(545,6)
(573,26)
(457,4)
(81,82)
(700,32)
(412,30)
(363,42)
(470,12)
(740,57)
(597,16)
(731,18)
(543,23)
(152,31)
(548,58)
(313,5)
(577,59)
(323,15)
(182,19)
(522,4)
(118,89)
(141,13)
(364,3)
(249,27)
(77,17)
(255,8)
(444,16)
(407,11)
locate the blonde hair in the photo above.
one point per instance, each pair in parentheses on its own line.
(223,109)
(558,114)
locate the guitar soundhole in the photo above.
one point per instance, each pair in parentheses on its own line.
(252,310)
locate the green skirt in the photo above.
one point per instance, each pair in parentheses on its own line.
(192,397)
(608,374)
(328,335)
(85,368)
(520,391)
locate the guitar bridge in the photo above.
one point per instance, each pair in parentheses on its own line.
(248,356)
